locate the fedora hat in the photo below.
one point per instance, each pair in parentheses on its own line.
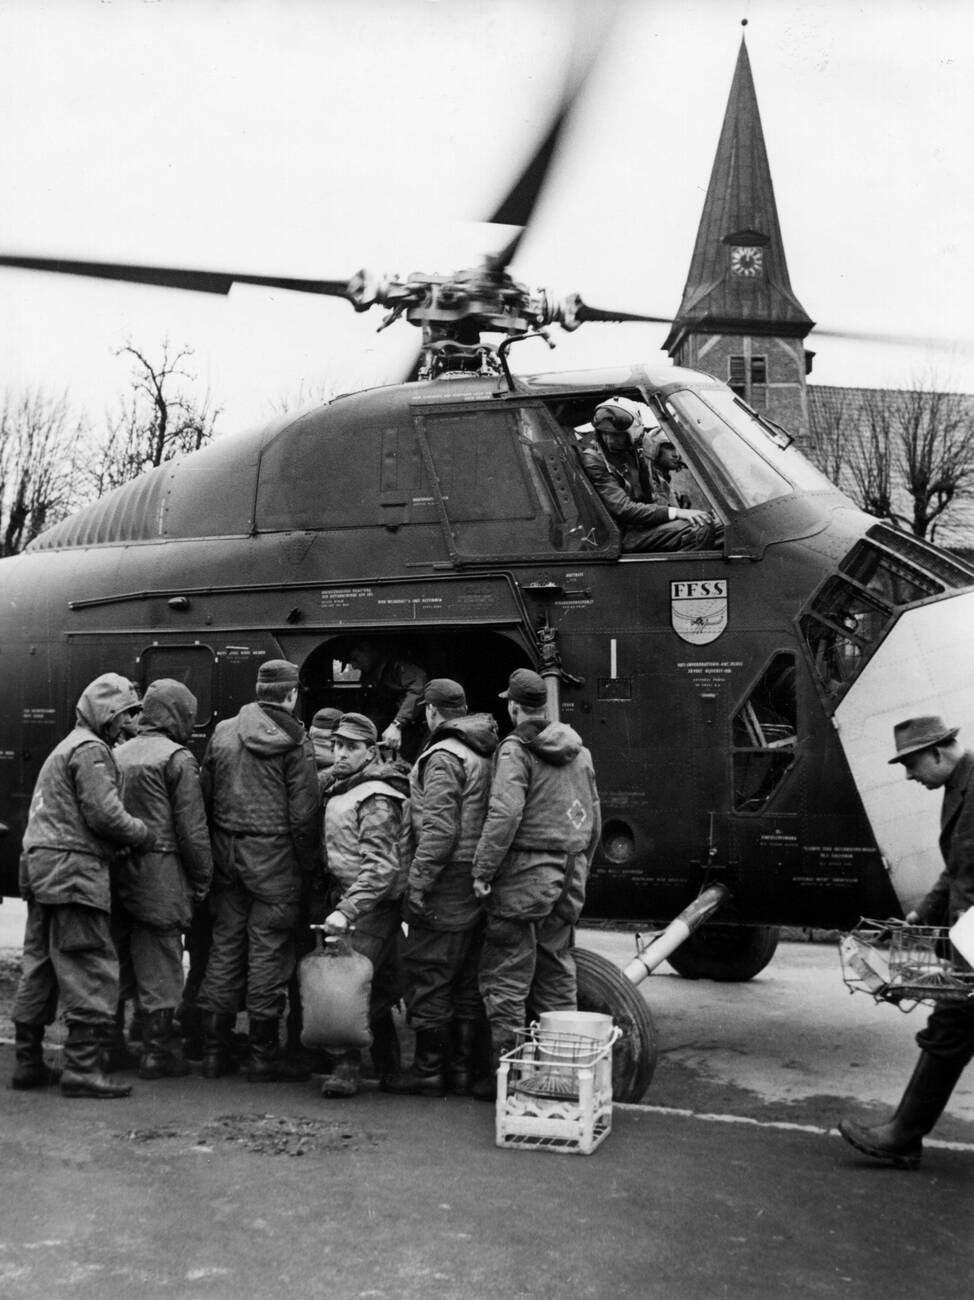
(920,733)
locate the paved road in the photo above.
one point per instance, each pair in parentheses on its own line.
(728,1182)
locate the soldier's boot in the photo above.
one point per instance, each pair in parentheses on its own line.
(82,1075)
(502,1040)
(345,1076)
(900,1140)
(116,1054)
(30,1069)
(162,1049)
(267,1063)
(385,1051)
(189,1018)
(426,1077)
(218,1057)
(461,1071)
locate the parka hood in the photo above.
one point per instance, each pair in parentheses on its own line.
(266,729)
(553,742)
(170,707)
(103,699)
(478,731)
(395,774)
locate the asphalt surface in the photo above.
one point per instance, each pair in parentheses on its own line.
(729,1181)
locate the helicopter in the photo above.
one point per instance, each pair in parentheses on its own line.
(737,702)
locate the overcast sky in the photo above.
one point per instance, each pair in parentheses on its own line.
(310,139)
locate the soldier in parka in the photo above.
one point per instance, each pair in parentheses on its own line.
(448,789)
(363,821)
(156,889)
(77,823)
(261,791)
(531,865)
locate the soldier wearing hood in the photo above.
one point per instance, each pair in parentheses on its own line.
(77,824)
(157,889)
(261,791)
(531,865)
(363,819)
(448,789)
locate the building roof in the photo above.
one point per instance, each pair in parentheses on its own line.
(739,210)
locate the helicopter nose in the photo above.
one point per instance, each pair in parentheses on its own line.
(921,666)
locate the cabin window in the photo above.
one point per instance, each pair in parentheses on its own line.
(841,629)
(190,664)
(507,484)
(765,735)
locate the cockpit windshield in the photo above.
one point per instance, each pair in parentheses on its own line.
(749,461)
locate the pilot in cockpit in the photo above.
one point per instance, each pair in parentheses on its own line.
(630,468)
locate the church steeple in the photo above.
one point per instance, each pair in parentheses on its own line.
(739,318)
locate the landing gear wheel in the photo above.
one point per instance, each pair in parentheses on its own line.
(603,987)
(731,953)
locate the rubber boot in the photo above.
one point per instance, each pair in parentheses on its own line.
(82,1074)
(345,1076)
(268,1064)
(218,1058)
(501,1040)
(30,1070)
(116,1054)
(190,1021)
(899,1140)
(461,1072)
(385,1051)
(426,1077)
(162,1049)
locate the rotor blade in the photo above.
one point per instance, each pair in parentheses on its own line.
(175,277)
(517,207)
(932,342)
(586,313)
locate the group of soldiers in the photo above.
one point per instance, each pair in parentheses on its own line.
(481,847)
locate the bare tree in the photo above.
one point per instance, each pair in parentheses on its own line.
(934,434)
(157,420)
(39,442)
(306,395)
(871,453)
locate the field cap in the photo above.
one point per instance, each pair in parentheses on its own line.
(527,688)
(326,720)
(920,733)
(356,726)
(277,672)
(444,691)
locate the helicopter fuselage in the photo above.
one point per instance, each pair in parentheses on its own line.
(452,519)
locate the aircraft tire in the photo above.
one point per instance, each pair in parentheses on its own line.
(603,987)
(728,953)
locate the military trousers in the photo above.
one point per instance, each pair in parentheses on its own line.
(251,954)
(526,964)
(69,957)
(440,971)
(150,962)
(377,935)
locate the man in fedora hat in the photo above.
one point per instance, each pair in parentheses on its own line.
(930,753)
(531,865)
(261,791)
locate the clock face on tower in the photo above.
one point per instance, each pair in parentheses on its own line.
(747,260)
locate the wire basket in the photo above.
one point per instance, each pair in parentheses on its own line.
(904,964)
(554,1093)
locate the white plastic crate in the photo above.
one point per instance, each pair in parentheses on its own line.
(554,1093)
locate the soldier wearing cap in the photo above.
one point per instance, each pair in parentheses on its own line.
(448,789)
(624,481)
(76,826)
(322,733)
(531,864)
(261,791)
(362,825)
(931,755)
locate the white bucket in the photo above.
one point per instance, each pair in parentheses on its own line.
(580,1024)
(962,935)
